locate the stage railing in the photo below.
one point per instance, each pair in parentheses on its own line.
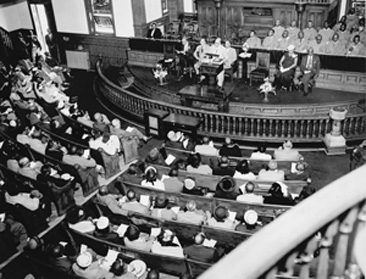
(299,128)
(315,239)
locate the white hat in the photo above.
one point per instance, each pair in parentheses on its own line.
(250,217)
(84,260)
(150,168)
(287,144)
(291,47)
(102,223)
(115,122)
(189,183)
(137,267)
(66,176)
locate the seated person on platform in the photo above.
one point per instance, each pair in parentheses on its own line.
(253,41)
(356,47)
(129,132)
(171,182)
(351,18)
(284,41)
(242,171)
(199,54)
(87,266)
(161,210)
(198,251)
(220,50)
(270,42)
(272,174)
(133,239)
(195,166)
(206,147)
(300,43)
(226,189)
(231,55)
(344,34)
(293,30)
(360,30)
(260,154)
(335,46)
(326,32)
(309,31)
(151,179)
(230,149)
(278,194)
(186,58)
(318,45)
(248,195)
(160,74)
(286,153)
(309,68)
(104,231)
(301,172)
(167,244)
(132,204)
(154,32)
(287,66)
(278,28)
(113,202)
(223,167)
(190,188)
(220,219)
(191,214)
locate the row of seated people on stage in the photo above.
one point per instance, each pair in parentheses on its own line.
(60,249)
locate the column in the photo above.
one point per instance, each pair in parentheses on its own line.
(300,8)
(139,18)
(334,141)
(218,5)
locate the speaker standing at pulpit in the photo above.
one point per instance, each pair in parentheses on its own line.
(220,50)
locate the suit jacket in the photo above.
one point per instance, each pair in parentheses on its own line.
(157,34)
(315,67)
(199,253)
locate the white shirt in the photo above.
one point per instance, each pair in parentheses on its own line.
(250,197)
(23,199)
(111,147)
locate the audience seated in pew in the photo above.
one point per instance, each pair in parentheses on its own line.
(155,157)
(101,122)
(121,270)
(160,209)
(133,238)
(104,231)
(198,251)
(250,221)
(194,165)
(112,201)
(179,140)
(230,149)
(242,171)
(29,168)
(166,243)
(220,219)
(223,167)
(171,182)
(260,154)
(151,179)
(132,204)
(248,195)
(286,152)
(301,172)
(190,188)
(206,147)
(226,189)
(117,130)
(278,194)
(191,214)
(87,266)
(272,174)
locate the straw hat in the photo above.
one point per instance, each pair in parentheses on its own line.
(189,183)
(250,217)
(84,260)
(102,223)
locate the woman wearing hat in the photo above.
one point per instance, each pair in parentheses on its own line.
(278,194)
(88,267)
(226,189)
(160,209)
(286,69)
(151,179)
(220,219)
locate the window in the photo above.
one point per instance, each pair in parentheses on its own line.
(164,7)
(102,16)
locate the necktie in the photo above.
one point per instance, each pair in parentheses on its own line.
(310,62)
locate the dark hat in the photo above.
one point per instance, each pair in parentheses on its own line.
(227,184)
(221,213)
(161,201)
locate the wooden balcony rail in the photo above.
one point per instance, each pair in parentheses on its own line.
(305,128)
(313,239)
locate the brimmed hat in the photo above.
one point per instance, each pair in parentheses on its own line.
(227,184)
(291,47)
(161,201)
(272,165)
(23,161)
(151,168)
(250,217)
(102,223)
(221,212)
(137,267)
(189,183)
(115,122)
(84,260)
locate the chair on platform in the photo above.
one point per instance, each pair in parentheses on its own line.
(261,70)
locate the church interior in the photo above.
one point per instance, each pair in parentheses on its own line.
(147,139)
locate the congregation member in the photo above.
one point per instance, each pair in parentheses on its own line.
(293,30)
(101,122)
(76,156)
(151,179)
(220,219)
(195,165)
(185,56)
(112,201)
(351,18)
(318,45)
(171,182)
(249,195)
(191,188)
(103,230)
(199,54)
(278,194)
(344,34)
(287,66)
(230,57)
(270,42)
(191,214)
(161,210)
(230,149)
(250,221)
(134,239)
(309,68)
(286,152)
(278,29)
(272,174)
(167,243)
(116,129)
(226,189)
(253,41)
(132,204)
(301,172)
(260,154)
(242,171)
(87,266)
(326,32)
(206,147)
(154,32)
(335,46)
(198,251)
(356,47)
(309,31)
(223,167)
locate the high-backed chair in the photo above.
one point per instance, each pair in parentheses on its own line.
(261,70)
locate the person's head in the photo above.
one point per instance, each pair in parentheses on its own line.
(310,24)
(310,52)
(173,172)
(153,25)
(206,140)
(151,174)
(285,34)
(79,151)
(217,42)
(131,195)
(56,251)
(278,189)
(227,184)
(361,22)
(335,37)
(220,213)
(356,39)
(102,225)
(154,154)
(252,33)
(250,217)
(243,167)
(291,49)
(116,123)
(117,267)
(166,236)
(84,260)
(300,35)
(352,11)
(288,144)
(35,243)
(293,23)
(153,274)
(224,161)
(228,141)
(181,164)
(270,32)
(132,233)
(343,27)
(199,238)
(278,22)
(272,165)
(161,201)
(203,41)
(249,187)
(24,162)
(189,183)
(103,191)
(194,160)
(227,44)
(318,38)
(191,205)
(343,19)
(325,24)
(184,40)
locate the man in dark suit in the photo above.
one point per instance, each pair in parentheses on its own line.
(198,251)
(154,32)
(309,67)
